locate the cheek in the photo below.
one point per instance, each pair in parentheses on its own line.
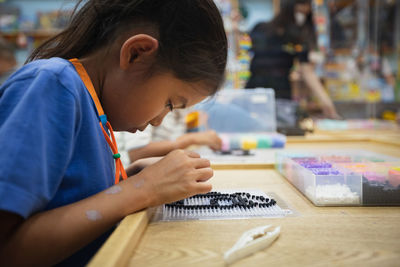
(129,106)
(142,112)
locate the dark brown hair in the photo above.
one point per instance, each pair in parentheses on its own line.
(285,21)
(191,35)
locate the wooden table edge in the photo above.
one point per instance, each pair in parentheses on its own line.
(118,248)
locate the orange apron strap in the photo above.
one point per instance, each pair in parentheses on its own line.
(88,83)
(119,168)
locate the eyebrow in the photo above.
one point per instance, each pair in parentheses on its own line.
(183,101)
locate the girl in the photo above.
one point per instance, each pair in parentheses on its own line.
(133,60)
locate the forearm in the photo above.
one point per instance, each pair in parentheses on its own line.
(313,82)
(162,148)
(154,149)
(49,237)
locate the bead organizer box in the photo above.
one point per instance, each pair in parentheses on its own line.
(247,142)
(246,122)
(225,204)
(251,149)
(235,111)
(352,178)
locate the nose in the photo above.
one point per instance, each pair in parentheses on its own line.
(158,120)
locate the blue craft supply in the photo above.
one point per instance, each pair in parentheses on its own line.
(314,165)
(196,130)
(235,143)
(278,141)
(320,171)
(305,160)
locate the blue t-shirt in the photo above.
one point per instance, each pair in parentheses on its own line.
(52,149)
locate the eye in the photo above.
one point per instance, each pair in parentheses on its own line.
(170,105)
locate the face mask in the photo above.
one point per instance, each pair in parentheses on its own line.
(300,18)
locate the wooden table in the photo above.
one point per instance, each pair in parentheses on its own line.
(316,236)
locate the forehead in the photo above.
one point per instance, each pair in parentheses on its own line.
(179,88)
(191,94)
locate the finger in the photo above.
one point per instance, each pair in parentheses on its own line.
(192,154)
(201,163)
(202,188)
(204,174)
(217,145)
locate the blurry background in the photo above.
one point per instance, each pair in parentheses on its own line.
(356,57)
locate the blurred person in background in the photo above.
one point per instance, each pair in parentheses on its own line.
(278,44)
(8,63)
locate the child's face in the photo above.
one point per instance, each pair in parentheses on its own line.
(131,106)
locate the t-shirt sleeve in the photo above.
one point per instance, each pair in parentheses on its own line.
(38,122)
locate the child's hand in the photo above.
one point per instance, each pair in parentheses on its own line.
(140,164)
(329,112)
(207,138)
(211,139)
(178,175)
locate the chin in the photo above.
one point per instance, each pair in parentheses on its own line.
(132,130)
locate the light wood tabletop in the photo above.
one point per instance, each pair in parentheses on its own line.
(314,236)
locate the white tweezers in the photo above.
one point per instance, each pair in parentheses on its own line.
(250,242)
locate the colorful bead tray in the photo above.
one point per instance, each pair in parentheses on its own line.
(249,141)
(343,178)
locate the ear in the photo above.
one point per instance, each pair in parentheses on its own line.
(137,48)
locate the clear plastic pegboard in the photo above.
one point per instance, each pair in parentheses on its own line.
(223,205)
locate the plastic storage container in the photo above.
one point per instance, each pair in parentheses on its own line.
(240,111)
(351,178)
(251,141)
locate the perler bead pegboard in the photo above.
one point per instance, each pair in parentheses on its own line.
(225,204)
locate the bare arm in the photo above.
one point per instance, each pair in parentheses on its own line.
(153,149)
(161,148)
(50,236)
(318,90)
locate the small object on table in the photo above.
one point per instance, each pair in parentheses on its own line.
(252,241)
(394,177)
